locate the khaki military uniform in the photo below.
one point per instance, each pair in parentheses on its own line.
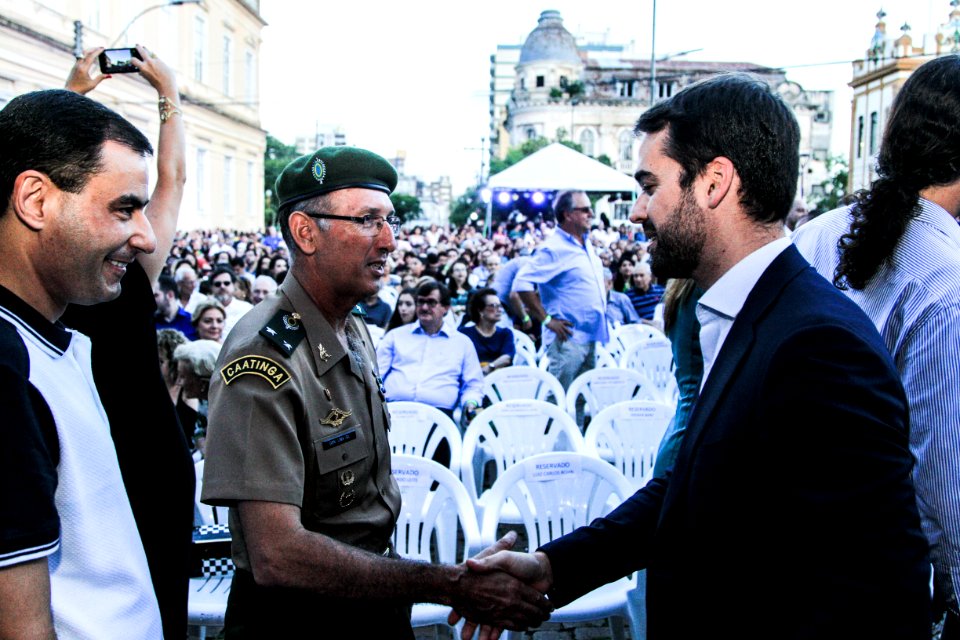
(296,419)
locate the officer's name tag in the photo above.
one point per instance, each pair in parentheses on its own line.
(339,439)
(553,469)
(261,366)
(411,477)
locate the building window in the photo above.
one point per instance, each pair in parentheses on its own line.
(249,75)
(586,142)
(201,181)
(873,133)
(541,81)
(199,46)
(227,58)
(626,146)
(228,186)
(531,133)
(665,89)
(626,89)
(563,82)
(860,137)
(523,83)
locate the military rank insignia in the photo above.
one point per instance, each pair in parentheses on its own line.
(336,417)
(284,331)
(260,366)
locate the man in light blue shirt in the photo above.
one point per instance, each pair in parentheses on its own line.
(426,362)
(562,288)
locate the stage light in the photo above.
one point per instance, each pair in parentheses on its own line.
(503,197)
(537,198)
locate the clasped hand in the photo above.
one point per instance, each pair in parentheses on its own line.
(507,591)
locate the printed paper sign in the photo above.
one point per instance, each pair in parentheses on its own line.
(520,408)
(405,413)
(639,412)
(551,469)
(615,379)
(411,477)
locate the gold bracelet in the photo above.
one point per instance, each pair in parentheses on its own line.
(167,109)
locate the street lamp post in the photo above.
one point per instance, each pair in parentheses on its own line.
(169,3)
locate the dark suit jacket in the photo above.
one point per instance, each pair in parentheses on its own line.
(790,512)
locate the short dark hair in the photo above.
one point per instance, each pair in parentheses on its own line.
(737,116)
(61,134)
(167,284)
(219,271)
(564,203)
(920,148)
(432,285)
(477,304)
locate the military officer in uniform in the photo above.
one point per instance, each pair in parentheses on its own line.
(297,436)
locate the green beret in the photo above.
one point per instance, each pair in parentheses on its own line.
(332,168)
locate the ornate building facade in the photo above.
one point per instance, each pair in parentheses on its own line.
(877,78)
(553,87)
(213,45)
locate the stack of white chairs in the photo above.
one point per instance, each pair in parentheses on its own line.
(431,494)
(417,429)
(628,435)
(510,431)
(600,388)
(519,383)
(654,359)
(526,350)
(554,493)
(628,335)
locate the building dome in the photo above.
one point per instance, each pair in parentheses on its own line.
(550,42)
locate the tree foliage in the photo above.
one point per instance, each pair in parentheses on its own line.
(466,204)
(277,156)
(834,188)
(407,207)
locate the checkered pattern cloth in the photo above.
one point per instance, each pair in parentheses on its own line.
(213,567)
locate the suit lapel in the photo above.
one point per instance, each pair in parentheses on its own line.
(739,342)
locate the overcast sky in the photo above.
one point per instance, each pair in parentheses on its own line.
(414,75)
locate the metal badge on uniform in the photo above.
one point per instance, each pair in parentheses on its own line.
(339,439)
(347,477)
(283,331)
(347,498)
(327,393)
(270,370)
(335,418)
(324,354)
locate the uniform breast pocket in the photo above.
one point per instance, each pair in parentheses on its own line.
(343,465)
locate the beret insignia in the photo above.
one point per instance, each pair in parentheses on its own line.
(319,170)
(270,370)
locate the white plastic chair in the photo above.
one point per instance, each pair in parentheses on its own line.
(510,431)
(422,532)
(555,493)
(628,335)
(519,383)
(526,350)
(417,429)
(601,388)
(603,358)
(654,359)
(628,435)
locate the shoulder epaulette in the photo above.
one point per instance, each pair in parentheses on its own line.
(284,331)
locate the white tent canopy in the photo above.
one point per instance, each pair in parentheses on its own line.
(557,167)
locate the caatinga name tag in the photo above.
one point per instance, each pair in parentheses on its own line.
(268,369)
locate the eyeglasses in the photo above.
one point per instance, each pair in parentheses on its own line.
(582,210)
(427,302)
(370,224)
(222,283)
(493,305)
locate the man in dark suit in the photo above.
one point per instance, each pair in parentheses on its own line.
(790,511)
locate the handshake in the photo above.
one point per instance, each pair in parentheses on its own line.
(502,589)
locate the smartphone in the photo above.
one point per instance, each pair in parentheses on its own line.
(118,60)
